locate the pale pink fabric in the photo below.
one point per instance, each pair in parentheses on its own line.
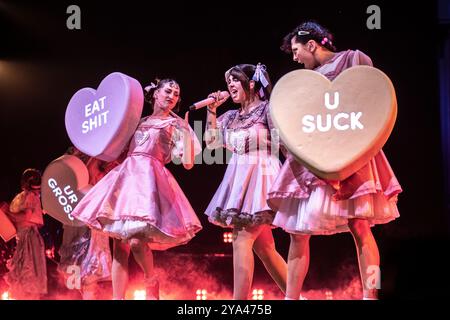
(84,247)
(140,198)
(241,199)
(307,204)
(97,264)
(27,275)
(28,206)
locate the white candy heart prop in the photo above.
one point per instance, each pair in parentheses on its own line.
(64,184)
(101,122)
(7,229)
(334,128)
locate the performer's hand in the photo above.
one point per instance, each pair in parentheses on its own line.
(216,96)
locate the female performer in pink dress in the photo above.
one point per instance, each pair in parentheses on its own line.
(84,247)
(139,203)
(307,205)
(27,276)
(240,201)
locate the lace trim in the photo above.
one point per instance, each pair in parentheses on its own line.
(256,114)
(231,218)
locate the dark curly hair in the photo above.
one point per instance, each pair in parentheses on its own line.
(309,30)
(244,73)
(149,90)
(31,179)
(72,150)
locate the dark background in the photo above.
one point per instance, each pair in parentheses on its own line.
(42,64)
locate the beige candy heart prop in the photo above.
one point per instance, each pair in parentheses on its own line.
(7,229)
(64,184)
(334,128)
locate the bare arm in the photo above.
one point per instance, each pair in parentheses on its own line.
(188,142)
(212,134)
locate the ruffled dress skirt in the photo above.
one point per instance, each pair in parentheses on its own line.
(306,204)
(241,199)
(140,199)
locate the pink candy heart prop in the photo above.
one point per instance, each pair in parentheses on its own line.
(334,128)
(101,122)
(64,184)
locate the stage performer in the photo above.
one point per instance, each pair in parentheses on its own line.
(27,276)
(84,247)
(139,203)
(307,205)
(240,201)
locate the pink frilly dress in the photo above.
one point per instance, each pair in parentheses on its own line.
(140,198)
(27,276)
(84,247)
(306,204)
(241,199)
(79,248)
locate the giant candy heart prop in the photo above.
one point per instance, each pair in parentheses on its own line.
(64,183)
(334,128)
(7,229)
(100,123)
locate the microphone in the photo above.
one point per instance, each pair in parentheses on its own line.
(207,101)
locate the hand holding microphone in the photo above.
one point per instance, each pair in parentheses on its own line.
(214,100)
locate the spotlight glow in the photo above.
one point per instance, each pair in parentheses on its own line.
(227,237)
(201,294)
(258,294)
(139,295)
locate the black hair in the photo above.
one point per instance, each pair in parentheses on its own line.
(31,179)
(244,73)
(73,151)
(150,90)
(306,31)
